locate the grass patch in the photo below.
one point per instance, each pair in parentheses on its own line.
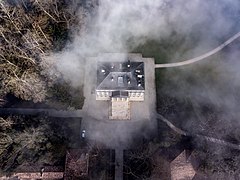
(166,49)
(63,96)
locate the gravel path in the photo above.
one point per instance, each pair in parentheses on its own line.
(207,138)
(50,112)
(118,164)
(202,57)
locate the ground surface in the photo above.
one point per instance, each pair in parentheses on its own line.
(96,120)
(118,134)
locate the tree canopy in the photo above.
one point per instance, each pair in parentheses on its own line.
(29,30)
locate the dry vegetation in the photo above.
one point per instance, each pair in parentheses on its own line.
(38,140)
(29,30)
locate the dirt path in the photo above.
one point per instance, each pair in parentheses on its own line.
(50,112)
(118,164)
(174,128)
(207,138)
(202,57)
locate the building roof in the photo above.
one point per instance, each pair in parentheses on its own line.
(89,163)
(76,163)
(38,175)
(126,75)
(34,171)
(30,167)
(181,168)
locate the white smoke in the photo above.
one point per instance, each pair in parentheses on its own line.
(118,22)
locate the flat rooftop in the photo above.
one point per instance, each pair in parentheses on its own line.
(120,76)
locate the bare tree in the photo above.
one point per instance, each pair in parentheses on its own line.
(15,144)
(28,31)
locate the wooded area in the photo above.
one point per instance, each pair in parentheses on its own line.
(39,140)
(30,30)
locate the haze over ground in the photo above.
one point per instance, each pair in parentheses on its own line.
(203,24)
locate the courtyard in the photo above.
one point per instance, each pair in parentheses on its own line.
(96,119)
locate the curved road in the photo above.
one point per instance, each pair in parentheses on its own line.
(202,57)
(174,128)
(207,138)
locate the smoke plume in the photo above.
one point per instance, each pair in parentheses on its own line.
(122,25)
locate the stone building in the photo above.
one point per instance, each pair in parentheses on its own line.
(120,83)
(120,80)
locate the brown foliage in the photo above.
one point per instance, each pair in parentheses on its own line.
(28,31)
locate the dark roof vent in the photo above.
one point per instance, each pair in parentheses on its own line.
(128,64)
